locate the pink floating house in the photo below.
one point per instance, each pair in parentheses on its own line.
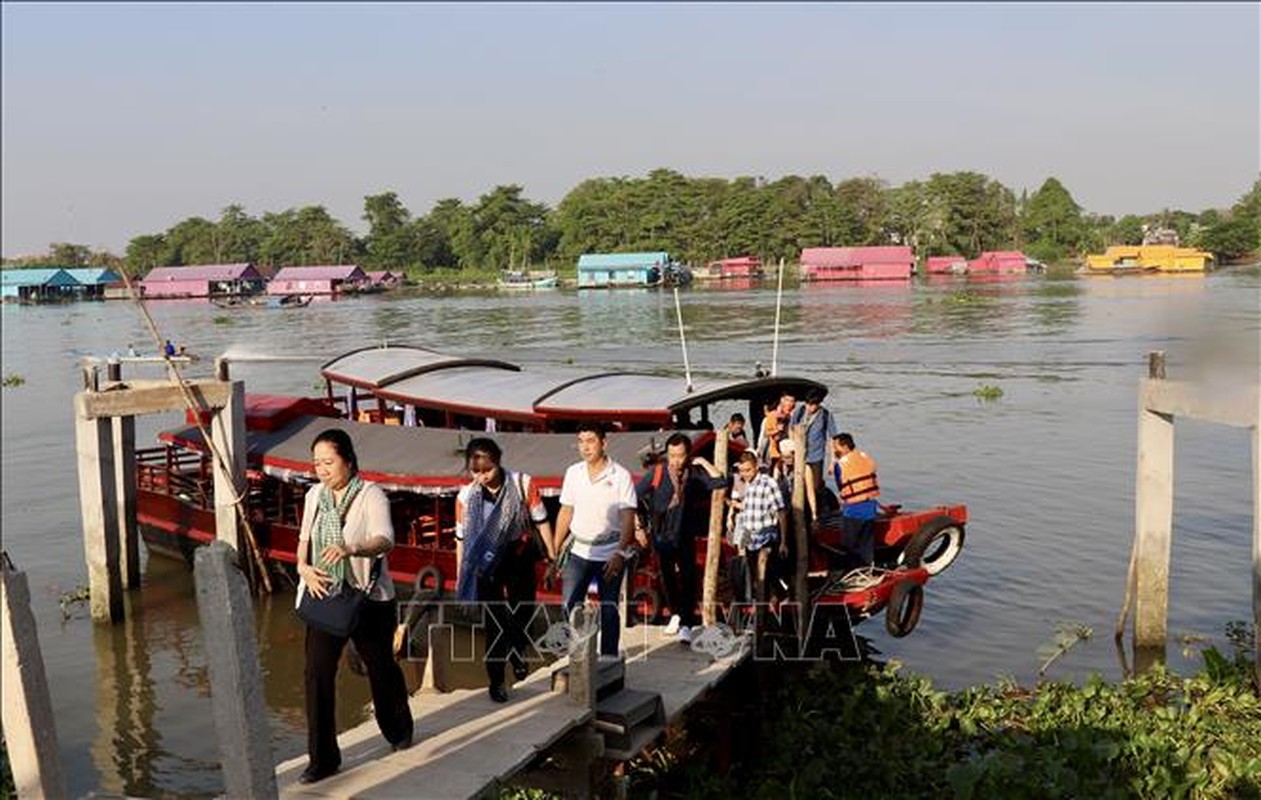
(207,280)
(384,279)
(1000,261)
(318,280)
(738,267)
(856,263)
(945,265)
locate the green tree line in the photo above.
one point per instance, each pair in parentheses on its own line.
(696,220)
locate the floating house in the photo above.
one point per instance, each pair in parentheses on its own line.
(319,280)
(730,268)
(856,263)
(945,265)
(999,261)
(1149,258)
(98,283)
(47,284)
(600,270)
(384,279)
(210,280)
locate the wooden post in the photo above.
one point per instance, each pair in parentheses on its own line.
(227,430)
(125,483)
(98,500)
(1153,518)
(584,664)
(713,547)
(30,731)
(801,583)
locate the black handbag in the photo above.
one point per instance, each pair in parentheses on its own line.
(337,613)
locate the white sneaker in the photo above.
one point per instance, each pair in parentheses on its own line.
(685,634)
(672,628)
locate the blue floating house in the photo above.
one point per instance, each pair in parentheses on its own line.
(37,285)
(600,270)
(98,283)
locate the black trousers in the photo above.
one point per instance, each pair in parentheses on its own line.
(374,640)
(859,542)
(678,577)
(504,624)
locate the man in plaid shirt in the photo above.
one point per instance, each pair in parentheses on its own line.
(762,520)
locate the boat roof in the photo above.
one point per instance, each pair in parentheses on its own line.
(425,460)
(503,390)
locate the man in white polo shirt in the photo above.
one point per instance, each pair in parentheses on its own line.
(597,506)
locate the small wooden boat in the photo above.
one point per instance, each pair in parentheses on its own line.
(290,301)
(520,280)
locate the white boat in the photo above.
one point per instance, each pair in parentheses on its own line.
(519,280)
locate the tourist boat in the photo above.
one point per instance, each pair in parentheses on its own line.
(411,411)
(519,280)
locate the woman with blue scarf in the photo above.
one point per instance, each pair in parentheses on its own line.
(495,554)
(346,528)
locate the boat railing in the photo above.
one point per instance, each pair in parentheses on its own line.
(178,473)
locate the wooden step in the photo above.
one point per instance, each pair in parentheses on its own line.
(629,720)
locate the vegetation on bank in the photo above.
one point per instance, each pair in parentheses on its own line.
(864,731)
(696,220)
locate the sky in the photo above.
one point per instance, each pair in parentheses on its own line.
(122,119)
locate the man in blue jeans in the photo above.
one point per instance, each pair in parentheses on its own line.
(597,506)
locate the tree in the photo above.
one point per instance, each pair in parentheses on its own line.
(238,236)
(64,254)
(392,242)
(1052,222)
(1233,238)
(145,252)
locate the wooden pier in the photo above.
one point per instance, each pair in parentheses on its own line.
(468,745)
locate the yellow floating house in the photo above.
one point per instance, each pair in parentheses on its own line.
(1150,258)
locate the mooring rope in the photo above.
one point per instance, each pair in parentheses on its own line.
(192,405)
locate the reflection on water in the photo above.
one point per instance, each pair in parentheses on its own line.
(1047,471)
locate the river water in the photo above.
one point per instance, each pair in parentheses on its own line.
(1046,470)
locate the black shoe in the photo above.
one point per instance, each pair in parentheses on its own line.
(404,744)
(498,694)
(312,775)
(520,670)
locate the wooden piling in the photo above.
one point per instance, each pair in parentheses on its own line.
(801,581)
(713,548)
(30,731)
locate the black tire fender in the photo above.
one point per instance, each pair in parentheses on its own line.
(646,598)
(935,546)
(429,580)
(906,602)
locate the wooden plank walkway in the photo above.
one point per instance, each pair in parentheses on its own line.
(466,743)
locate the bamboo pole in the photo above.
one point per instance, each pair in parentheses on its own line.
(192,405)
(801,579)
(713,548)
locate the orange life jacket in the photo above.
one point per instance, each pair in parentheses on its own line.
(858,473)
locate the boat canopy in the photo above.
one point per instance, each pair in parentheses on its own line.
(502,390)
(425,460)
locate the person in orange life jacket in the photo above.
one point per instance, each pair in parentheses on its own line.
(673,501)
(775,429)
(855,474)
(820,428)
(494,554)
